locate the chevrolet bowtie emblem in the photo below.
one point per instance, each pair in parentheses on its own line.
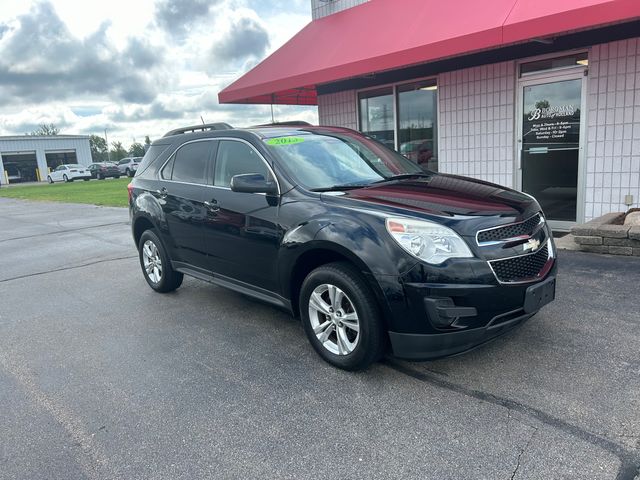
(532,244)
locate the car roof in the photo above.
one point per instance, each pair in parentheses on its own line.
(260,131)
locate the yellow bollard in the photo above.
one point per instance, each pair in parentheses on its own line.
(6,178)
(38,175)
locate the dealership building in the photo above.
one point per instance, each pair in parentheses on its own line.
(29,158)
(541,96)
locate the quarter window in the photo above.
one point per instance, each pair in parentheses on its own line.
(190,163)
(237,158)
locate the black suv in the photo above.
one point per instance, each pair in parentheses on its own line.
(360,242)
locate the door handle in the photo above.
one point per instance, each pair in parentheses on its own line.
(212,205)
(162,193)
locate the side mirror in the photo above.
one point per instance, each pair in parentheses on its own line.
(253,183)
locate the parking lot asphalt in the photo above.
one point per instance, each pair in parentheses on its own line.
(102,378)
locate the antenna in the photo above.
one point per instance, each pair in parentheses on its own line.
(202,120)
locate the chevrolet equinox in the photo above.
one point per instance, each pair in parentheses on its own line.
(371,251)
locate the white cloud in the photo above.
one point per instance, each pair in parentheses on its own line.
(87,66)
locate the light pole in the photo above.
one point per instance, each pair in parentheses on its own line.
(106,139)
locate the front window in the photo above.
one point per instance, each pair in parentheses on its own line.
(323,160)
(236,158)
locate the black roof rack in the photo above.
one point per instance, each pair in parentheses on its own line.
(292,123)
(199,128)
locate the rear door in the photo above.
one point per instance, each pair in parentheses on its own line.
(241,233)
(183,190)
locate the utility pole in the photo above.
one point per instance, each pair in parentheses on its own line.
(106,139)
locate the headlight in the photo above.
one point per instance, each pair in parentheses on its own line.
(427,241)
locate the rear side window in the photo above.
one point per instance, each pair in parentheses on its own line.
(190,163)
(236,158)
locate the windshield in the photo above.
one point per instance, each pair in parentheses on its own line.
(324,160)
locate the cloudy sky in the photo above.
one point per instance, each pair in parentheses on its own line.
(136,67)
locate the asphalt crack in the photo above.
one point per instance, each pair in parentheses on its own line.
(73,267)
(521,454)
(629,460)
(58,232)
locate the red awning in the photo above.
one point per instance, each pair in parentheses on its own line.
(383,35)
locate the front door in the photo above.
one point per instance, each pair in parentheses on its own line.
(242,236)
(551,144)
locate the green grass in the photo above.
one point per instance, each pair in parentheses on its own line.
(110,192)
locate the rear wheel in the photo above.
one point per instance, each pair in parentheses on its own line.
(128,172)
(65,178)
(99,176)
(341,317)
(117,176)
(86,179)
(156,265)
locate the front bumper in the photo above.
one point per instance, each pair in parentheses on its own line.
(438,320)
(415,346)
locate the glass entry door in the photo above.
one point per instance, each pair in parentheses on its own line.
(550,146)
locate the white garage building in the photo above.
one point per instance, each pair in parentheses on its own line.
(30,158)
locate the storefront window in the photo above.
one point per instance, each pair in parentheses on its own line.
(555,63)
(417,122)
(376,115)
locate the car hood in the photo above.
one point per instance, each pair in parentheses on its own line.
(461,202)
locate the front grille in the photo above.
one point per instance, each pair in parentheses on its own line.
(509,231)
(523,268)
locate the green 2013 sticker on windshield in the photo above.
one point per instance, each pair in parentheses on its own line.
(284,140)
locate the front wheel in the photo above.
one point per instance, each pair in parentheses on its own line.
(341,317)
(49,179)
(156,265)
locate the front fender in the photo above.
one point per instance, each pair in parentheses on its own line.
(367,239)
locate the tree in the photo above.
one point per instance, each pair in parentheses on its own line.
(542,104)
(118,152)
(136,150)
(99,150)
(44,130)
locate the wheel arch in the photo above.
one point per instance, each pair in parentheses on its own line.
(140,225)
(322,253)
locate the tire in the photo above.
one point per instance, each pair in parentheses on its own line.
(349,343)
(99,176)
(117,176)
(128,173)
(65,178)
(49,179)
(86,179)
(163,279)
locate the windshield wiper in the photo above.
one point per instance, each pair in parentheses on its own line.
(402,176)
(339,188)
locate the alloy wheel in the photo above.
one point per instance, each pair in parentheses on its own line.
(334,319)
(152,261)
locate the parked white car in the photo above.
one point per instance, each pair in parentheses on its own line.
(69,173)
(128,166)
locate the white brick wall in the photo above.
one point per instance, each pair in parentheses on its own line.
(322,9)
(338,109)
(613,127)
(476,122)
